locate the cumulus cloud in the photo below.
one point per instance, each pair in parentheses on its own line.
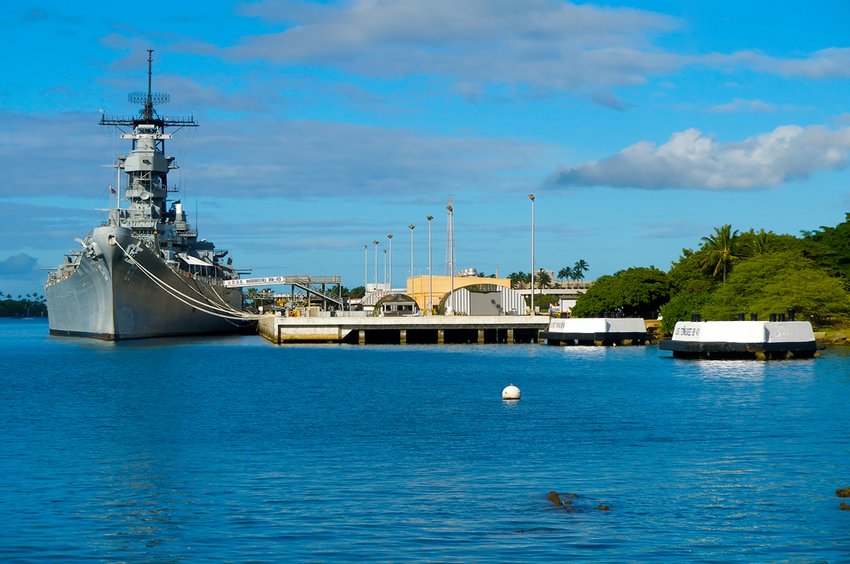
(693,160)
(18,264)
(20,274)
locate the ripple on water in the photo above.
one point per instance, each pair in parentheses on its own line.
(233,449)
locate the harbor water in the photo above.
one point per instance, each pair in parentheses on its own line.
(235,449)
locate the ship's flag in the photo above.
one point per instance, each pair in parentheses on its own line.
(112,190)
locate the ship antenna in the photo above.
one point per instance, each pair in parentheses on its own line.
(148,115)
(149,101)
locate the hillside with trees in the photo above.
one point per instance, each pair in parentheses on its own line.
(732,273)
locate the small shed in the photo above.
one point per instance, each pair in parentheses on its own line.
(395,305)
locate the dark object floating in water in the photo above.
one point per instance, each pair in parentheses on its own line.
(843,506)
(843,492)
(565,501)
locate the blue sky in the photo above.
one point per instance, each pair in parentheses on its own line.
(639,126)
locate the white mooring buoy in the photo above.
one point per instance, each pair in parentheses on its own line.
(511,393)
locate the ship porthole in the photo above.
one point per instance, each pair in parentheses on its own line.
(111,240)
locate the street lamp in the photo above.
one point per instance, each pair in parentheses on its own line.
(365,267)
(412,227)
(385,269)
(451,304)
(531,197)
(430,301)
(376,263)
(390,237)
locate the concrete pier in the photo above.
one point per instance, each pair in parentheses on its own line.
(762,340)
(435,329)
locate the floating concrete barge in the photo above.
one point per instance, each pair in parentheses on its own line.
(603,331)
(742,339)
(436,329)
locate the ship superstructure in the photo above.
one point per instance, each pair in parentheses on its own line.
(144,272)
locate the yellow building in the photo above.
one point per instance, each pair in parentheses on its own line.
(418,287)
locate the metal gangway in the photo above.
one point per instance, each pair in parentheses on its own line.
(315,285)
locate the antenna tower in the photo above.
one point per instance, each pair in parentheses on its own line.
(148,115)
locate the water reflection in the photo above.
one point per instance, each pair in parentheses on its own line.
(585,353)
(137,508)
(744,370)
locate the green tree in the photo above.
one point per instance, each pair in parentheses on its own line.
(579,268)
(542,279)
(356,293)
(753,243)
(718,251)
(519,279)
(829,247)
(23,307)
(775,282)
(544,302)
(681,307)
(687,272)
(635,292)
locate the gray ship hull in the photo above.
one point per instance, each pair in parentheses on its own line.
(110,296)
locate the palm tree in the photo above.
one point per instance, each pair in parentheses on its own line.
(564,273)
(579,269)
(719,251)
(543,278)
(518,279)
(762,242)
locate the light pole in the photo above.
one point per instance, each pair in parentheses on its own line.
(376,263)
(531,197)
(451,304)
(365,267)
(411,227)
(430,302)
(390,237)
(385,269)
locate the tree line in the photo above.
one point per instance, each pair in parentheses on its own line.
(542,279)
(29,305)
(732,273)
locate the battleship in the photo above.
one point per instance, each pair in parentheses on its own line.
(144,272)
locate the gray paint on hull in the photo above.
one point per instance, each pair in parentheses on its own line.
(108,297)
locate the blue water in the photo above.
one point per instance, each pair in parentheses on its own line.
(235,449)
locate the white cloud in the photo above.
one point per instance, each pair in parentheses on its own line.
(18,264)
(543,44)
(259,157)
(318,159)
(692,160)
(826,63)
(740,105)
